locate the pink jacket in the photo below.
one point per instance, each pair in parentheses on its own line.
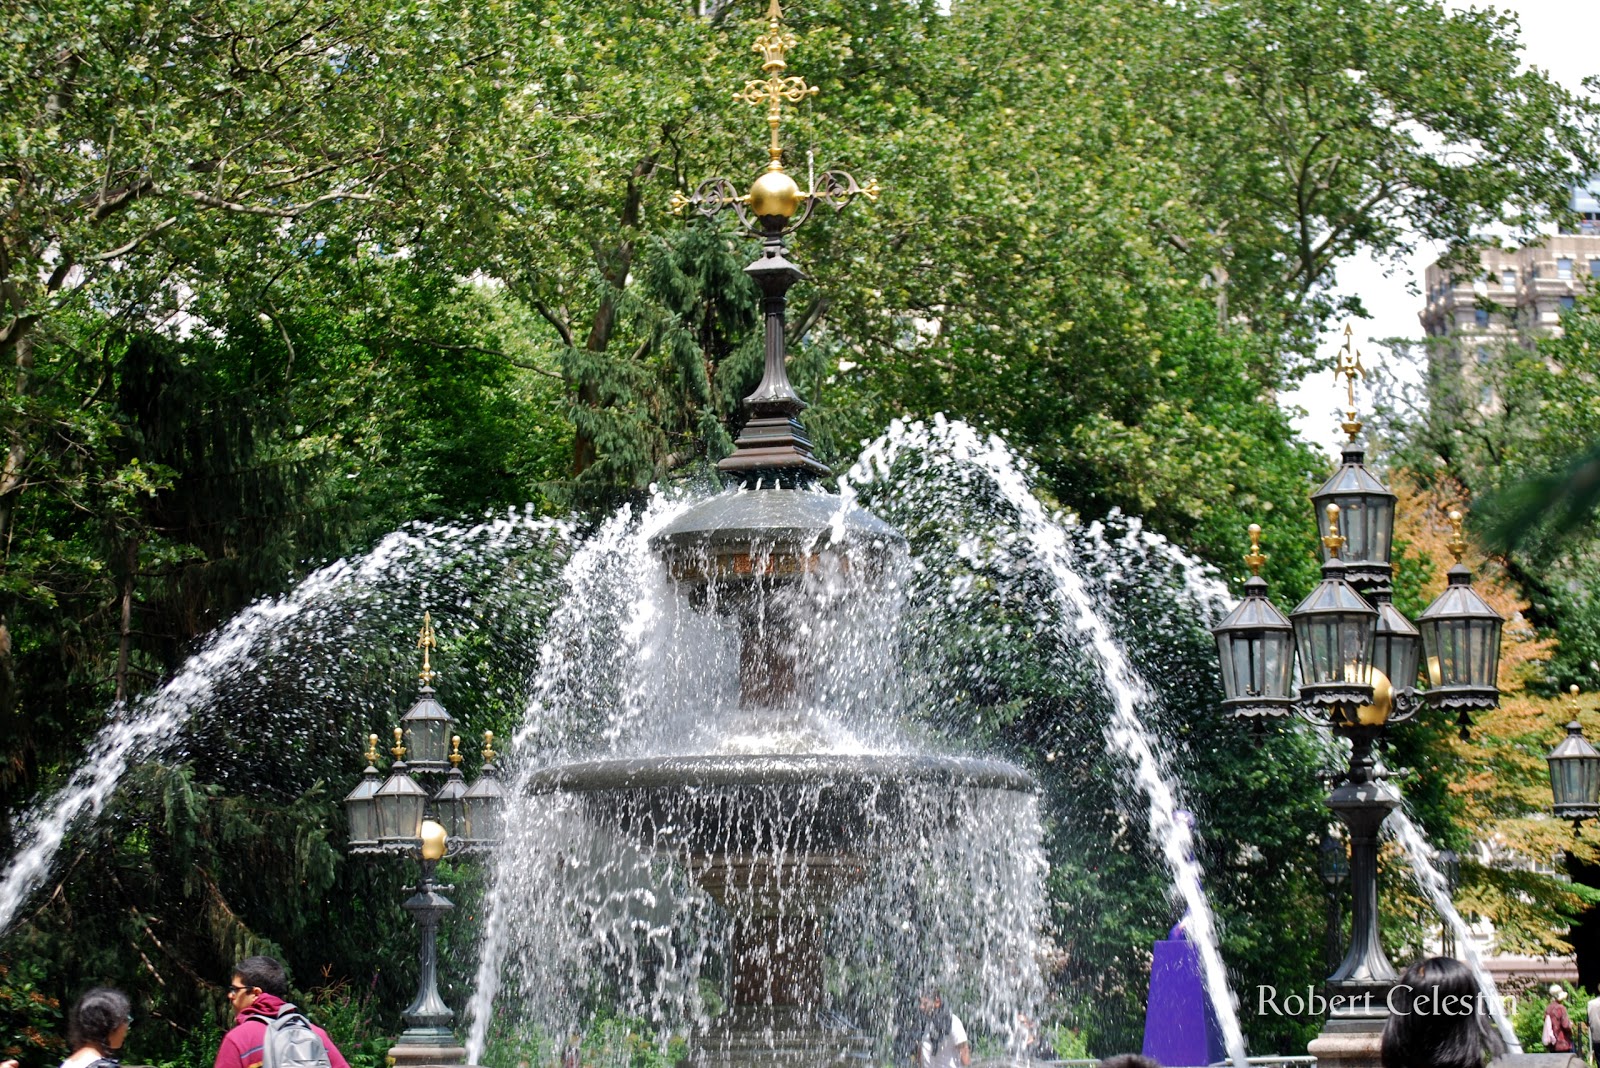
(241,1046)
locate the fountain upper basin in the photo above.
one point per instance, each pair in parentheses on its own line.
(817,803)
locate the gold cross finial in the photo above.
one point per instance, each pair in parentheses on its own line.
(1349,365)
(775,204)
(427,643)
(1255,559)
(1334,541)
(1458,542)
(773,90)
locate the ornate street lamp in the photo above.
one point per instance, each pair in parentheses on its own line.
(399,815)
(1358,659)
(1575,775)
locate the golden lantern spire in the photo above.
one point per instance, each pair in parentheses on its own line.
(399,747)
(1458,542)
(1349,365)
(427,643)
(1255,559)
(372,749)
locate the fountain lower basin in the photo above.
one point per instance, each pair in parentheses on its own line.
(775,839)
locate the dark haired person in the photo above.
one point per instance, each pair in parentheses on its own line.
(257,992)
(1437,1019)
(97,1025)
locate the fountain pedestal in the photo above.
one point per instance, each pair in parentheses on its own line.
(777,907)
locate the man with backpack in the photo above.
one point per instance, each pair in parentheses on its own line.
(269,1032)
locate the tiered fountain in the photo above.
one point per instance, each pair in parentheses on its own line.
(772,826)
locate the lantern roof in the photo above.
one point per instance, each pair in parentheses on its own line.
(1334,594)
(1574,745)
(1459,600)
(1353,478)
(1254,612)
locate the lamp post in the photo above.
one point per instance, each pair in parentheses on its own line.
(398,815)
(1358,659)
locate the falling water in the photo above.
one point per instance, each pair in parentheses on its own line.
(154,723)
(1126,732)
(587,585)
(1432,883)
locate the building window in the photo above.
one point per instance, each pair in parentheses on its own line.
(1594,268)
(1564,267)
(1568,303)
(1508,279)
(1480,316)
(1483,355)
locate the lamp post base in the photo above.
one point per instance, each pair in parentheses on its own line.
(1349,1042)
(427,1046)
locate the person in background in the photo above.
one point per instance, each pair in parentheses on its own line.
(1437,1019)
(257,992)
(944,1038)
(97,1026)
(1557,1024)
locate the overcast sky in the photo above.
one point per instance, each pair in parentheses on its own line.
(1556,39)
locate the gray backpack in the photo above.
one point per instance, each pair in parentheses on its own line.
(291,1043)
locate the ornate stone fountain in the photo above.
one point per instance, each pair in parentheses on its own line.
(760,554)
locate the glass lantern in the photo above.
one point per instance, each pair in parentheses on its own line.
(1461,635)
(1333,864)
(1575,776)
(1256,646)
(1396,654)
(1366,519)
(450,802)
(485,800)
(1334,632)
(360,804)
(427,726)
(400,802)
